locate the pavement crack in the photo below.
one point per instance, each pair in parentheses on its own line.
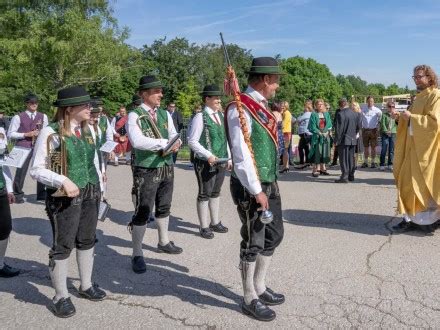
(183,320)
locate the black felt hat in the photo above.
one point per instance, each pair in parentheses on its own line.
(211,90)
(147,82)
(71,96)
(30,97)
(97,100)
(265,65)
(136,100)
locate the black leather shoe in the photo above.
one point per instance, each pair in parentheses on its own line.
(373,165)
(170,248)
(351,178)
(94,293)
(8,271)
(271,298)
(258,311)
(324,173)
(206,233)
(341,181)
(219,228)
(364,165)
(403,226)
(64,308)
(138,265)
(19,201)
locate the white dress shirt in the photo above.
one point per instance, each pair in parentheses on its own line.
(38,169)
(6,172)
(142,142)
(371,117)
(197,129)
(241,156)
(15,125)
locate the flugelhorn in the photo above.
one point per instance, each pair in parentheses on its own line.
(57,157)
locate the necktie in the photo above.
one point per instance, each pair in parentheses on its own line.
(216,118)
(77,132)
(32,116)
(153,115)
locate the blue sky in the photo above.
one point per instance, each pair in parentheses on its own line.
(381,41)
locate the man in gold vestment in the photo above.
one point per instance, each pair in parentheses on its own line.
(417,154)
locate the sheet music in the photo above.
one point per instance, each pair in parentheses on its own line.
(16,157)
(108,146)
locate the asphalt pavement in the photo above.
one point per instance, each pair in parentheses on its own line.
(340,264)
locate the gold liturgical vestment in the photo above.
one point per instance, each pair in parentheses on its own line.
(417,155)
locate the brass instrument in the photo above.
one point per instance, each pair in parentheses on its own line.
(57,157)
(152,131)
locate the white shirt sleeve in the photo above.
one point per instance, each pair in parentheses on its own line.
(109,132)
(171,129)
(241,156)
(38,169)
(194,136)
(8,179)
(100,166)
(45,121)
(140,141)
(13,128)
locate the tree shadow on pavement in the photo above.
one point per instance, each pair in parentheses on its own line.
(113,272)
(306,176)
(368,224)
(24,287)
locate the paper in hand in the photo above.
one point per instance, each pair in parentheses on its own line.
(16,157)
(108,146)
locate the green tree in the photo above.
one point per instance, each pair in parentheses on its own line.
(188,98)
(307,79)
(48,45)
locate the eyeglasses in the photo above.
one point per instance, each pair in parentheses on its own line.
(418,77)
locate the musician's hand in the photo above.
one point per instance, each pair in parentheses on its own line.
(11,198)
(117,135)
(261,199)
(104,177)
(212,160)
(229,167)
(70,188)
(176,146)
(406,115)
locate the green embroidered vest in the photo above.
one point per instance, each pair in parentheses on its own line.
(265,153)
(80,154)
(2,179)
(217,136)
(148,158)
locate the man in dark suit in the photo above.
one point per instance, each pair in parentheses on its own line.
(348,123)
(335,128)
(177,120)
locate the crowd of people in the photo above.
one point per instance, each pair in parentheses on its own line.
(249,138)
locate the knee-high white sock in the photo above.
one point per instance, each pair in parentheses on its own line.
(84,259)
(3,247)
(58,276)
(263,263)
(137,236)
(202,212)
(247,277)
(162,230)
(116,159)
(128,156)
(214,208)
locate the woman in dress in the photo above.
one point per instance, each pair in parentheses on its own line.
(320,125)
(276,110)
